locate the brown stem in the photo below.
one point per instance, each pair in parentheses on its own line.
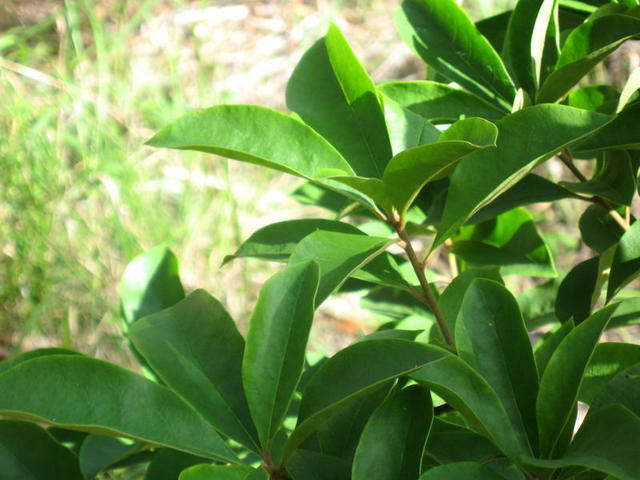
(566,158)
(427,293)
(275,473)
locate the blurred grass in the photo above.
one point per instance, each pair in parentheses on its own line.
(84,83)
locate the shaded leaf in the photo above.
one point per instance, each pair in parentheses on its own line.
(548,344)
(492,338)
(622,132)
(332,92)
(39,352)
(98,452)
(561,380)
(276,342)
(406,128)
(608,360)
(598,98)
(537,304)
(197,351)
(397,431)
(309,465)
(461,471)
(167,464)
(99,397)
(630,89)
(510,241)
(599,231)
(623,389)
(27,452)
(442,34)
(438,102)
(223,472)
(626,261)
(495,29)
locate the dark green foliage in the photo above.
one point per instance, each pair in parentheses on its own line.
(449,386)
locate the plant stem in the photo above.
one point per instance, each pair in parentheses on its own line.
(566,158)
(427,293)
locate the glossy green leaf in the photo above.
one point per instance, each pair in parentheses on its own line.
(623,389)
(580,289)
(622,132)
(525,41)
(547,345)
(310,465)
(585,47)
(150,283)
(39,352)
(256,135)
(28,452)
(449,443)
(598,98)
(630,89)
(100,451)
(608,441)
(396,432)
(598,229)
(277,240)
(626,261)
(628,313)
(406,128)
(196,350)
(332,92)
(99,397)
(338,254)
(450,301)
(609,359)
(168,464)
(438,102)
(510,241)
(531,189)
(442,34)
(492,338)
(468,392)
(614,179)
(561,380)
(223,472)
(386,270)
(276,342)
(461,471)
(363,368)
(537,133)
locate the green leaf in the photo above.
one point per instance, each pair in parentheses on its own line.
(537,133)
(561,380)
(492,338)
(406,128)
(255,135)
(167,464)
(449,443)
(98,452)
(276,342)
(598,229)
(39,352)
(438,102)
(397,431)
(608,441)
(461,471)
(614,179)
(362,368)
(531,189)
(28,452)
(525,41)
(442,34)
(332,92)
(99,397)
(278,240)
(510,241)
(196,350)
(598,98)
(450,301)
(468,392)
(622,132)
(584,48)
(338,254)
(629,90)
(547,345)
(626,261)
(223,472)
(150,283)
(495,29)
(623,389)
(310,465)
(537,304)
(608,360)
